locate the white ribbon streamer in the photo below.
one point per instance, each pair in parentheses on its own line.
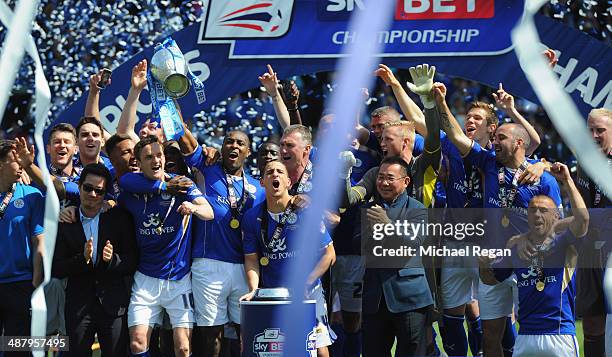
(558,104)
(9,65)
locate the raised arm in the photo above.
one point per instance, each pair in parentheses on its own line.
(92,105)
(505,102)
(410,109)
(25,157)
(127,121)
(270,83)
(580,222)
(449,124)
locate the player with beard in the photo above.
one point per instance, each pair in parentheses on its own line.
(546,279)
(277,220)
(463,187)
(163,279)
(501,170)
(594,251)
(218,260)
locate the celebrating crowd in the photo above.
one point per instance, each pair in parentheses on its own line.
(159,241)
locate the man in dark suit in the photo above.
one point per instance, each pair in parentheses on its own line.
(396,301)
(95,254)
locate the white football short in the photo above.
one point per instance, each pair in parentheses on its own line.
(459,279)
(496,301)
(546,346)
(217,288)
(150,296)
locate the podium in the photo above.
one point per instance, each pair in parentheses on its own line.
(262,335)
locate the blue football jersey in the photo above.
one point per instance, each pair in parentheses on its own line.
(485,161)
(163,235)
(274,274)
(23,219)
(216,239)
(552,310)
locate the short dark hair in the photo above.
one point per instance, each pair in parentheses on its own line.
(269,142)
(246,136)
(5,148)
(98,170)
(114,140)
(89,120)
(396,160)
(63,127)
(151,139)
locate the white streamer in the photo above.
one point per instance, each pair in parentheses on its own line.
(23,40)
(558,104)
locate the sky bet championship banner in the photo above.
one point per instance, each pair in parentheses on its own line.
(235,40)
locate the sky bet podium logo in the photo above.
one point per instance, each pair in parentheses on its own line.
(247,18)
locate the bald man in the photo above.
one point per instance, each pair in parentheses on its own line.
(546,278)
(501,169)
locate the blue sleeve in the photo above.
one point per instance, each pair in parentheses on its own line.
(419,144)
(126,201)
(38,212)
(138,183)
(249,233)
(193,193)
(481,158)
(196,159)
(72,189)
(550,188)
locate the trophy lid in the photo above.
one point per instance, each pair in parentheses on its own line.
(272,294)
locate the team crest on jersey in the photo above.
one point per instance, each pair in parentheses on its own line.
(166,196)
(292,218)
(250,188)
(358,162)
(307,186)
(18,203)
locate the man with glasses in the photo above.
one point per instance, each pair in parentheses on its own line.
(396,298)
(95,253)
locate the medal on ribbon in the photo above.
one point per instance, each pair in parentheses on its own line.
(234,223)
(264,261)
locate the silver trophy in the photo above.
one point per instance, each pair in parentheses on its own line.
(169,67)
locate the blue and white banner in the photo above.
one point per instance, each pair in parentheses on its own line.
(464,38)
